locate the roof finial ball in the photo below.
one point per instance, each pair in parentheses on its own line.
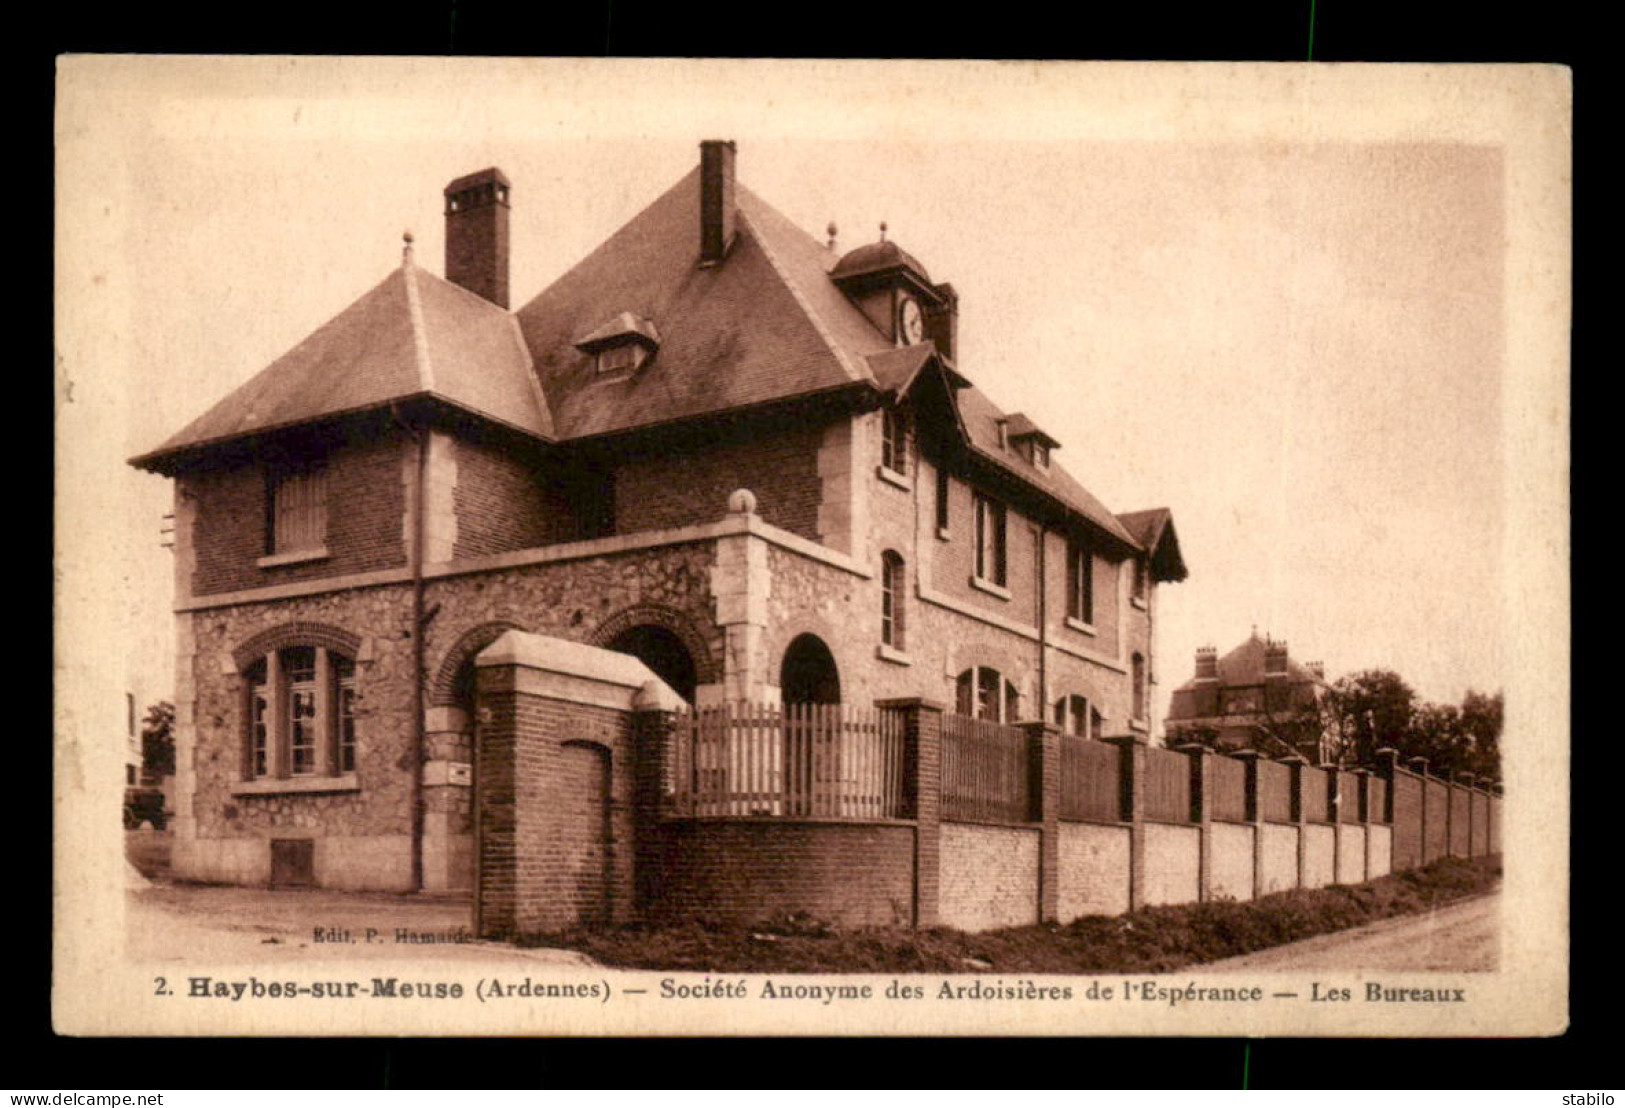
(742,502)
(831,231)
(882,230)
(406,245)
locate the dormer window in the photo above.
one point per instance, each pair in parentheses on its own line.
(1030,440)
(621,346)
(626,358)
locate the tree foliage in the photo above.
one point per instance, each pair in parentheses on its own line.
(158,741)
(1368,711)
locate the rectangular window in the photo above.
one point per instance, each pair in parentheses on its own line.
(894,441)
(345,669)
(942,498)
(303,738)
(990,535)
(1080,583)
(299,511)
(259,752)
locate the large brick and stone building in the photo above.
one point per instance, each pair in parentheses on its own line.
(1255,697)
(715,463)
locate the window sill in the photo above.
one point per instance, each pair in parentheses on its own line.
(293,557)
(276,786)
(892,654)
(1080,626)
(989,587)
(892,477)
(944,534)
(1139,725)
(1138,602)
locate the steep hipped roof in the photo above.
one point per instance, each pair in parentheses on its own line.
(764,325)
(768,323)
(413,334)
(1245,666)
(982,419)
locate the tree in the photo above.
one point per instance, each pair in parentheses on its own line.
(1367,711)
(158,741)
(1481,721)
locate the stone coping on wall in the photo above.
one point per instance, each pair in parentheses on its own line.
(578,672)
(278,786)
(736,524)
(789,821)
(1014,825)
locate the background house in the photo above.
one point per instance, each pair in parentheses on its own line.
(1255,697)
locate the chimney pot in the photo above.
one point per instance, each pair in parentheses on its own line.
(718,211)
(477,234)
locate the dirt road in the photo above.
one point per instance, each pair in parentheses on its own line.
(1464,937)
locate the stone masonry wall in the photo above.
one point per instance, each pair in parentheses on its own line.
(571,600)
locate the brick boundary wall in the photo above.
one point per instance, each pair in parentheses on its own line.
(571,827)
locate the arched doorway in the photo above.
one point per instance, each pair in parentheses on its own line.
(663,652)
(808,674)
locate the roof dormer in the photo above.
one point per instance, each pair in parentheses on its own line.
(1030,440)
(891,288)
(621,346)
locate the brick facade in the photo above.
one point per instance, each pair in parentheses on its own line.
(366,485)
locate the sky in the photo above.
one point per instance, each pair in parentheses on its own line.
(1280,305)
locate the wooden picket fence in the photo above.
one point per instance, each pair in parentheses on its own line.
(986,771)
(792,760)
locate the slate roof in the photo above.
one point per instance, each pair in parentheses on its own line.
(768,323)
(412,334)
(876,257)
(1245,666)
(1154,530)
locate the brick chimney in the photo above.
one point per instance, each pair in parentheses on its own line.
(1274,658)
(718,212)
(942,321)
(1207,663)
(477,234)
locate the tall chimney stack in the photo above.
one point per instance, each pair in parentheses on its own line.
(1207,663)
(477,234)
(718,213)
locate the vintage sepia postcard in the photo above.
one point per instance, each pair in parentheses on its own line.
(758,547)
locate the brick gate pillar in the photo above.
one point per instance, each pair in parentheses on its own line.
(1133,747)
(922,771)
(1044,750)
(558,775)
(1201,813)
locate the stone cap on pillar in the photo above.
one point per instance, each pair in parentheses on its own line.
(578,672)
(912,702)
(1294,760)
(1133,738)
(1247,754)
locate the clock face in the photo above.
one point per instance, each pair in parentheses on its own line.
(910,323)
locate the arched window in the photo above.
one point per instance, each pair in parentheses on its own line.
(983,693)
(1139,686)
(300,713)
(893,589)
(1074,715)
